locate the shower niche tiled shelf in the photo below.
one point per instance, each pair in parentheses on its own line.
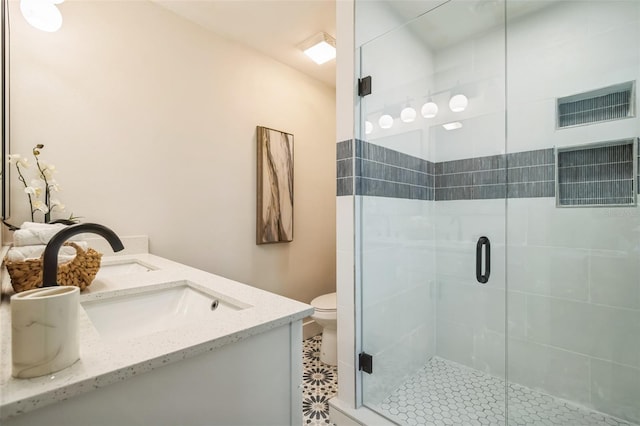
(610,103)
(601,174)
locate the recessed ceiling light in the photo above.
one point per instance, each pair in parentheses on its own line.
(320,48)
(453,125)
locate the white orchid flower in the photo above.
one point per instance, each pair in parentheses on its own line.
(47,169)
(39,205)
(56,204)
(42,183)
(53,186)
(18,160)
(33,190)
(37,185)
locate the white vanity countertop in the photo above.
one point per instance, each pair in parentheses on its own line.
(103,362)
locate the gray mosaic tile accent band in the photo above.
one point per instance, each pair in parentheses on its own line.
(381,188)
(344,150)
(372,152)
(525,174)
(344,168)
(531,174)
(383,172)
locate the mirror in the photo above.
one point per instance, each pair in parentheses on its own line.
(4,171)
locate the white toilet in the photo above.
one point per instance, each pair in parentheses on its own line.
(326,316)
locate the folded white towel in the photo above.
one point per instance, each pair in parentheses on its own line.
(66,253)
(31,234)
(38,225)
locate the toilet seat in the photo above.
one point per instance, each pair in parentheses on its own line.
(325,303)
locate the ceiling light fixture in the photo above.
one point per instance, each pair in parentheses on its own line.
(408,114)
(320,48)
(42,14)
(429,110)
(453,125)
(458,103)
(385,121)
(368,127)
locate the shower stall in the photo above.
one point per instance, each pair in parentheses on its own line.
(494,173)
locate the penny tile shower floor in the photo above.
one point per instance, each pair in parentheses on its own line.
(447,393)
(319,384)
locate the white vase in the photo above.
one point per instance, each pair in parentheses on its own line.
(44,330)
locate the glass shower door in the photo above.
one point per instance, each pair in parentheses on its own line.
(430,208)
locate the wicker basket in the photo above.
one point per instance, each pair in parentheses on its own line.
(79,272)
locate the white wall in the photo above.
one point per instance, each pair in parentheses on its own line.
(470,325)
(151,119)
(375,18)
(476,69)
(402,69)
(575,47)
(398,283)
(573,274)
(349,326)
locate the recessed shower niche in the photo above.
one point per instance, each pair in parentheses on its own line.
(601,174)
(606,104)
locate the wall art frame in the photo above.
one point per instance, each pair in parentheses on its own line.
(274,222)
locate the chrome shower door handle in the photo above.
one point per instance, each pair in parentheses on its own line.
(483,242)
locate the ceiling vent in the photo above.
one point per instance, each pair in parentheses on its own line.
(610,103)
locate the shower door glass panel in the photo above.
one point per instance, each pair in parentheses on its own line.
(430,183)
(573,272)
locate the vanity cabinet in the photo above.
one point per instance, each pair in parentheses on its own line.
(255,381)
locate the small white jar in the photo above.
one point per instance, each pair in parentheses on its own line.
(44,330)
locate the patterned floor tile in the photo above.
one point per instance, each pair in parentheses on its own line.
(447,393)
(319,384)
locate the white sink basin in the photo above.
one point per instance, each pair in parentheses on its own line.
(122,267)
(156,308)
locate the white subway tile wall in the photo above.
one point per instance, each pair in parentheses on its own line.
(348,330)
(398,304)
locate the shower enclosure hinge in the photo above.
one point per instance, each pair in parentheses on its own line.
(365,362)
(364,86)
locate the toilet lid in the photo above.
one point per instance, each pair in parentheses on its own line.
(326,302)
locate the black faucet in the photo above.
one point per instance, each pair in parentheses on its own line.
(50,256)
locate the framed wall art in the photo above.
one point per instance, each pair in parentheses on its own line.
(274,222)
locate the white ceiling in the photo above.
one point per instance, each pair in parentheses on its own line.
(277,27)
(273,27)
